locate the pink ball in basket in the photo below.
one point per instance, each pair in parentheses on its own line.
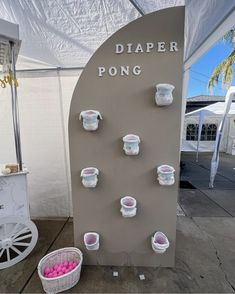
(47,270)
(66,263)
(63,269)
(70,268)
(60,269)
(56,266)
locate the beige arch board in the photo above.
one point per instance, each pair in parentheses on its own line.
(127,105)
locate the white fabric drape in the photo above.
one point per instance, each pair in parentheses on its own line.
(44,109)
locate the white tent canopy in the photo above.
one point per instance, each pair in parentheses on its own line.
(212,114)
(212,110)
(66,33)
(63,34)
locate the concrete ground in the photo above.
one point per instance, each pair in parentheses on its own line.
(205,251)
(199,200)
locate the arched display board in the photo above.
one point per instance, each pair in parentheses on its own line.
(119,81)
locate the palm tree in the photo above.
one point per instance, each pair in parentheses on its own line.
(226,68)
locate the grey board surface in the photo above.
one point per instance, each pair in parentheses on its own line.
(127,105)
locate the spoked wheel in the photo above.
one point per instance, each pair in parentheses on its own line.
(18,236)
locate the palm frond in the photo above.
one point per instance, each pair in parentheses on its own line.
(228,75)
(224,69)
(229,37)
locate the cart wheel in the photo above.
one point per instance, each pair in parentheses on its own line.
(18,236)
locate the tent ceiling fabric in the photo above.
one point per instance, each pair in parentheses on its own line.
(154,5)
(65,33)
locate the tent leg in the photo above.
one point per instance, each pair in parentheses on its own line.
(15,110)
(184,103)
(200,123)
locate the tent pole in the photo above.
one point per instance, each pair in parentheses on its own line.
(184,103)
(50,69)
(15,110)
(137,7)
(200,123)
(14,119)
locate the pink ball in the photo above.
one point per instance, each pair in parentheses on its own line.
(60,273)
(56,266)
(59,268)
(47,270)
(63,269)
(70,268)
(67,271)
(65,263)
(54,274)
(74,264)
(50,275)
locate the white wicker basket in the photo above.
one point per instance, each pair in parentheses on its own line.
(67,281)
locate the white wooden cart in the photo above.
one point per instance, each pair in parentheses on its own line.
(18,234)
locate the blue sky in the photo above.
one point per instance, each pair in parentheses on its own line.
(203,68)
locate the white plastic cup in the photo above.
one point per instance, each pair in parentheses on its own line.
(160,242)
(128,206)
(131,144)
(166,175)
(90,119)
(92,240)
(89,177)
(163,96)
